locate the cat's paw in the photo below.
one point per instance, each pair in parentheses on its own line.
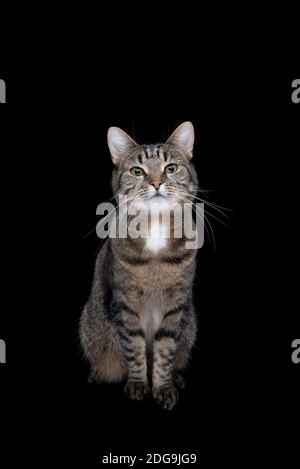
(166,397)
(136,391)
(179,380)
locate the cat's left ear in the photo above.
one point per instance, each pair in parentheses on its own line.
(119,144)
(183,138)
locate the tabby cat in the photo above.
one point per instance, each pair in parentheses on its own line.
(139,323)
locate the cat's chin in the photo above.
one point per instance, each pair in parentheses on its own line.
(159,202)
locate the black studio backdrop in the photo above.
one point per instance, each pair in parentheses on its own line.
(240,400)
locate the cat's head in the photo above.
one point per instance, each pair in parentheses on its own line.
(160,173)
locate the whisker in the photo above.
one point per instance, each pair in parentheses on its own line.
(219,206)
(211,205)
(203,218)
(103,219)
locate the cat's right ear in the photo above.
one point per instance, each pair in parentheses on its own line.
(119,143)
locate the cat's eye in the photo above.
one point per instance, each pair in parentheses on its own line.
(171,168)
(136,171)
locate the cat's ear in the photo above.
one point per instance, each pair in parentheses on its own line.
(119,143)
(183,138)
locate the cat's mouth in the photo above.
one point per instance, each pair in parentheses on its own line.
(160,199)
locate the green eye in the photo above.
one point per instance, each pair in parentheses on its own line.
(171,168)
(136,171)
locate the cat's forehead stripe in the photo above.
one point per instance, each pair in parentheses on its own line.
(165,155)
(153,151)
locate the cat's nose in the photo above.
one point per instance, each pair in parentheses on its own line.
(156,185)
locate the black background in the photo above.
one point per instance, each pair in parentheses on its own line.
(241,400)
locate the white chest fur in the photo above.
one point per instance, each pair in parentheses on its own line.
(157,238)
(151,322)
(159,223)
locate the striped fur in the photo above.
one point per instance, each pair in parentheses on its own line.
(139,323)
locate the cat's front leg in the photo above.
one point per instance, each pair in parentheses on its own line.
(133,342)
(164,351)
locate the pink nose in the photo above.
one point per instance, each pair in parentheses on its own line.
(156,184)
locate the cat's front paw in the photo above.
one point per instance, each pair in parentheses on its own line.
(136,391)
(166,397)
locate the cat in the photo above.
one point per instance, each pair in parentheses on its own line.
(139,323)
